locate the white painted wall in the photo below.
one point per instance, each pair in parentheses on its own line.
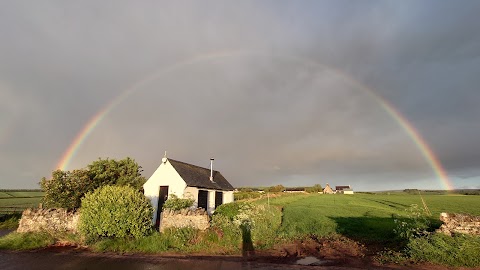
(211,201)
(165,175)
(228,196)
(192,193)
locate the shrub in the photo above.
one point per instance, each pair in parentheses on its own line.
(228,210)
(115,211)
(259,221)
(181,238)
(175,203)
(416,224)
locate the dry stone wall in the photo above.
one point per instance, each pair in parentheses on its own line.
(459,223)
(49,220)
(184,218)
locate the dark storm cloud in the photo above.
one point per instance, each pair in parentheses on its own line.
(267,117)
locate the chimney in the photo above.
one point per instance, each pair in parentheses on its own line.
(211,169)
(164,159)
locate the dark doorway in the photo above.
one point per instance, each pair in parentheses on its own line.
(218,198)
(203,199)
(162,197)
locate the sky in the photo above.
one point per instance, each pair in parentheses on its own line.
(278,92)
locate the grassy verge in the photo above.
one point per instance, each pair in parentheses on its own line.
(9,221)
(241,227)
(26,241)
(459,250)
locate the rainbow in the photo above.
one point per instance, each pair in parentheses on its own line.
(402,121)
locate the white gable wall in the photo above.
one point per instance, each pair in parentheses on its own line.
(165,175)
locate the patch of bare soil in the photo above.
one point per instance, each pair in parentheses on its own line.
(332,252)
(335,253)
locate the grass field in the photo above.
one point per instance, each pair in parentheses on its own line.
(365,217)
(19,200)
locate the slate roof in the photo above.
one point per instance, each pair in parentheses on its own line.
(196,176)
(342,187)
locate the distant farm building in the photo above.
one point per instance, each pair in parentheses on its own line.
(344,189)
(207,187)
(294,190)
(328,190)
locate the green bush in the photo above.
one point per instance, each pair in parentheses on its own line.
(175,203)
(228,210)
(261,222)
(415,224)
(115,211)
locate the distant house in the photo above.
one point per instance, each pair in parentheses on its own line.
(344,189)
(328,190)
(207,187)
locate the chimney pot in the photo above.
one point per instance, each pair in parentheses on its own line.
(211,169)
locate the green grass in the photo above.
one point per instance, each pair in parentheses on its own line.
(5,195)
(460,250)
(12,203)
(183,240)
(26,241)
(22,193)
(20,199)
(365,217)
(369,218)
(9,221)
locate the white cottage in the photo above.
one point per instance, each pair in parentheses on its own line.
(207,187)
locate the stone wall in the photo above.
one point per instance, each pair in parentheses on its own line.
(459,223)
(184,218)
(49,220)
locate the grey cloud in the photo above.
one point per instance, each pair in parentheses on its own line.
(267,117)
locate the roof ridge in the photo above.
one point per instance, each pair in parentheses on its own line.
(191,164)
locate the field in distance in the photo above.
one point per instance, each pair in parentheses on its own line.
(18,200)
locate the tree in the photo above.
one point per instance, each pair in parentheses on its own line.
(316,188)
(277,188)
(65,189)
(125,172)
